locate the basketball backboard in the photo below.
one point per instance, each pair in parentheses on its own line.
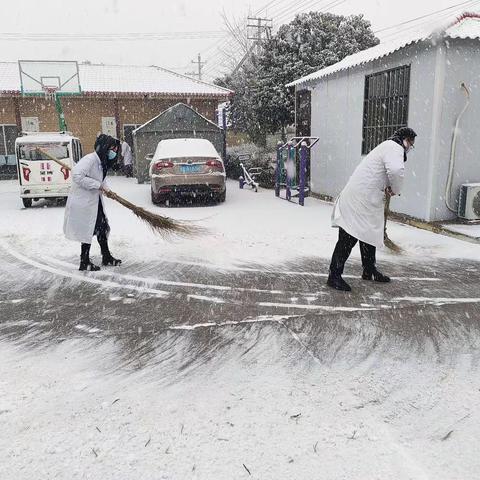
(41,77)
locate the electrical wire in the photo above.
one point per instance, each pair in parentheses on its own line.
(311,6)
(107,37)
(422,17)
(430,19)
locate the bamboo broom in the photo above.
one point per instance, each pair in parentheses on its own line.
(165,226)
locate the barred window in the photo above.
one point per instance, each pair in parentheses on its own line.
(385,106)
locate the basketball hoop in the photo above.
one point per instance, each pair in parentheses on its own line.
(50,92)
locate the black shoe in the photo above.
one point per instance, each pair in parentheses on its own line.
(89,266)
(376,276)
(338,283)
(109,260)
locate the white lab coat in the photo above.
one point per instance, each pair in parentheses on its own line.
(126,154)
(82,204)
(359,209)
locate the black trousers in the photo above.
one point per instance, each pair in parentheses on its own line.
(128,170)
(343,249)
(101,231)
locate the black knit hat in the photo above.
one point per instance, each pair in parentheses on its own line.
(103,144)
(405,132)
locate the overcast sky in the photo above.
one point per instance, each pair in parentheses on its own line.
(114,17)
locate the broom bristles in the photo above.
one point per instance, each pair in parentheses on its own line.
(392,245)
(165,226)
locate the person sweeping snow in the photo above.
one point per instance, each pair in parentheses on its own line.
(85,211)
(359,210)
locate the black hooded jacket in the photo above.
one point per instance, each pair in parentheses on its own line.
(102,145)
(400,135)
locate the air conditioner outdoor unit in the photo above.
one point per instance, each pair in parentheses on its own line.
(469,201)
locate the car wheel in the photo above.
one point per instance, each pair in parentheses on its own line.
(27,202)
(222,196)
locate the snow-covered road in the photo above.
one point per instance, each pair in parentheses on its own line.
(227,357)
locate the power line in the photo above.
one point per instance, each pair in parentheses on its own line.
(422,17)
(265,7)
(219,56)
(310,5)
(428,20)
(288,11)
(104,37)
(299,5)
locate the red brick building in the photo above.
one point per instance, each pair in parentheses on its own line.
(114,100)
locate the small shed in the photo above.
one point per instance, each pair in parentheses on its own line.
(179,121)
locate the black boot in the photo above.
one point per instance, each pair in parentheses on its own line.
(338,283)
(85,263)
(107,258)
(376,276)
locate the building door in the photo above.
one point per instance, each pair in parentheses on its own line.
(127,133)
(8,163)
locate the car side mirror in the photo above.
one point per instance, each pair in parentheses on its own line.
(149,157)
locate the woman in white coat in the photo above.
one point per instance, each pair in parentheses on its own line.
(359,210)
(85,212)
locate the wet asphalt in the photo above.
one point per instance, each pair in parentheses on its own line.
(183,314)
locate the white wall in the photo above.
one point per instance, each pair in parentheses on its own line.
(462,65)
(337,118)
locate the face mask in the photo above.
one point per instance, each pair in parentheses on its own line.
(407,146)
(112,155)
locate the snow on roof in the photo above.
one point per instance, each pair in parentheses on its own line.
(185,147)
(45,137)
(123,79)
(466,26)
(169,109)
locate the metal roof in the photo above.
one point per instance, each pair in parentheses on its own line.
(124,80)
(466,26)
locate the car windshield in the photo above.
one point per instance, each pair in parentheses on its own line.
(30,152)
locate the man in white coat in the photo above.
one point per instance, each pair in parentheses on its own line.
(85,212)
(127,159)
(359,210)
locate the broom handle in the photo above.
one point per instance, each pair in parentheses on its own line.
(64,165)
(53,159)
(387,211)
(157,222)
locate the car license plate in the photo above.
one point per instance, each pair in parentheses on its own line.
(190,168)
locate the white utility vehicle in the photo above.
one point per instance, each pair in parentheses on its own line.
(39,176)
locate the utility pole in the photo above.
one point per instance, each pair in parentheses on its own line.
(258,30)
(200,66)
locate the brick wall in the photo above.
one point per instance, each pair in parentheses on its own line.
(84,114)
(7,111)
